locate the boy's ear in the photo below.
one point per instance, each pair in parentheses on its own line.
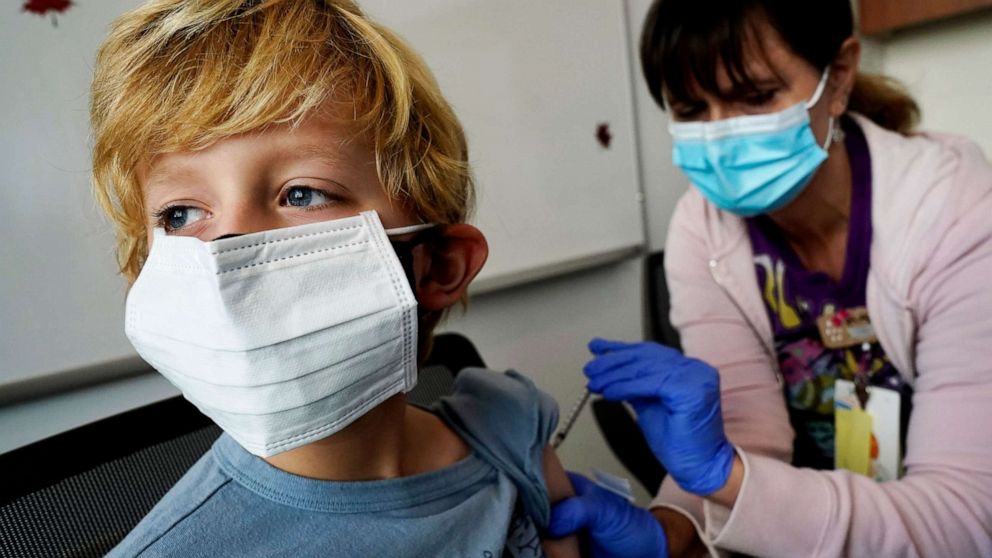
(449,263)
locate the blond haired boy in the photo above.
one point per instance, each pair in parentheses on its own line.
(290,191)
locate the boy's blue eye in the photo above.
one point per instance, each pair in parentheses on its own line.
(304,196)
(178,216)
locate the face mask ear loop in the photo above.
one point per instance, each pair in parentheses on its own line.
(404,252)
(830,135)
(820,87)
(400,231)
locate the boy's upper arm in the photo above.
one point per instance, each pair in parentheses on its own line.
(508,422)
(559,488)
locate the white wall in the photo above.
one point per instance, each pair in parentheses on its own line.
(948,69)
(662,182)
(57,257)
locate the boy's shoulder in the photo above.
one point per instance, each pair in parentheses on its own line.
(504,404)
(507,400)
(195,489)
(508,422)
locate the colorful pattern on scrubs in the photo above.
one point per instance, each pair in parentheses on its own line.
(795,297)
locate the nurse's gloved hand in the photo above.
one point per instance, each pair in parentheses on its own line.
(616,528)
(677,401)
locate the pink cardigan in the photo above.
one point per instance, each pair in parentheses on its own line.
(930,299)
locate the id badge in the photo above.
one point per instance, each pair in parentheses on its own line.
(867,441)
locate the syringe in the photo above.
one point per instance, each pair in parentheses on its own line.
(570,419)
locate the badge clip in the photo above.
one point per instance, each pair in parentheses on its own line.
(846,328)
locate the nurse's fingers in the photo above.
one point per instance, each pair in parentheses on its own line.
(570,515)
(580,482)
(608,362)
(600,346)
(632,389)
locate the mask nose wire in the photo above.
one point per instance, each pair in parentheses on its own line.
(389,232)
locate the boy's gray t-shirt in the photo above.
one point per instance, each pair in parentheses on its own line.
(488,505)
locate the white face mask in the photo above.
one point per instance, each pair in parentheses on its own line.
(282,337)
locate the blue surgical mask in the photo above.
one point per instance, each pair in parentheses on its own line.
(750,165)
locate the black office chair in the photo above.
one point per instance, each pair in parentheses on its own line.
(616,423)
(81,492)
(659,302)
(450,354)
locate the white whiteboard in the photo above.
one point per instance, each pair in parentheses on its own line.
(61,301)
(531,82)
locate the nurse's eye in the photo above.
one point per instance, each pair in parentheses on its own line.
(305,196)
(760,98)
(687,111)
(175,217)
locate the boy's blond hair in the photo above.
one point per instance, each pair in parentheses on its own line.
(178,75)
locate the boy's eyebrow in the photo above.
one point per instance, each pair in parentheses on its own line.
(166,172)
(173,171)
(320,151)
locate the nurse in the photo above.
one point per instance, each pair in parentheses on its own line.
(831,279)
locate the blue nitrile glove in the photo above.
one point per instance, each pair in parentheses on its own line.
(677,401)
(617,529)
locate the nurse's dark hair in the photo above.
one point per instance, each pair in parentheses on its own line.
(684,42)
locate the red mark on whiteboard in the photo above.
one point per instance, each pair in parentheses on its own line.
(47,7)
(603,135)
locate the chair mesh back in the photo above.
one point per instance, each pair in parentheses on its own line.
(433,383)
(89,513)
